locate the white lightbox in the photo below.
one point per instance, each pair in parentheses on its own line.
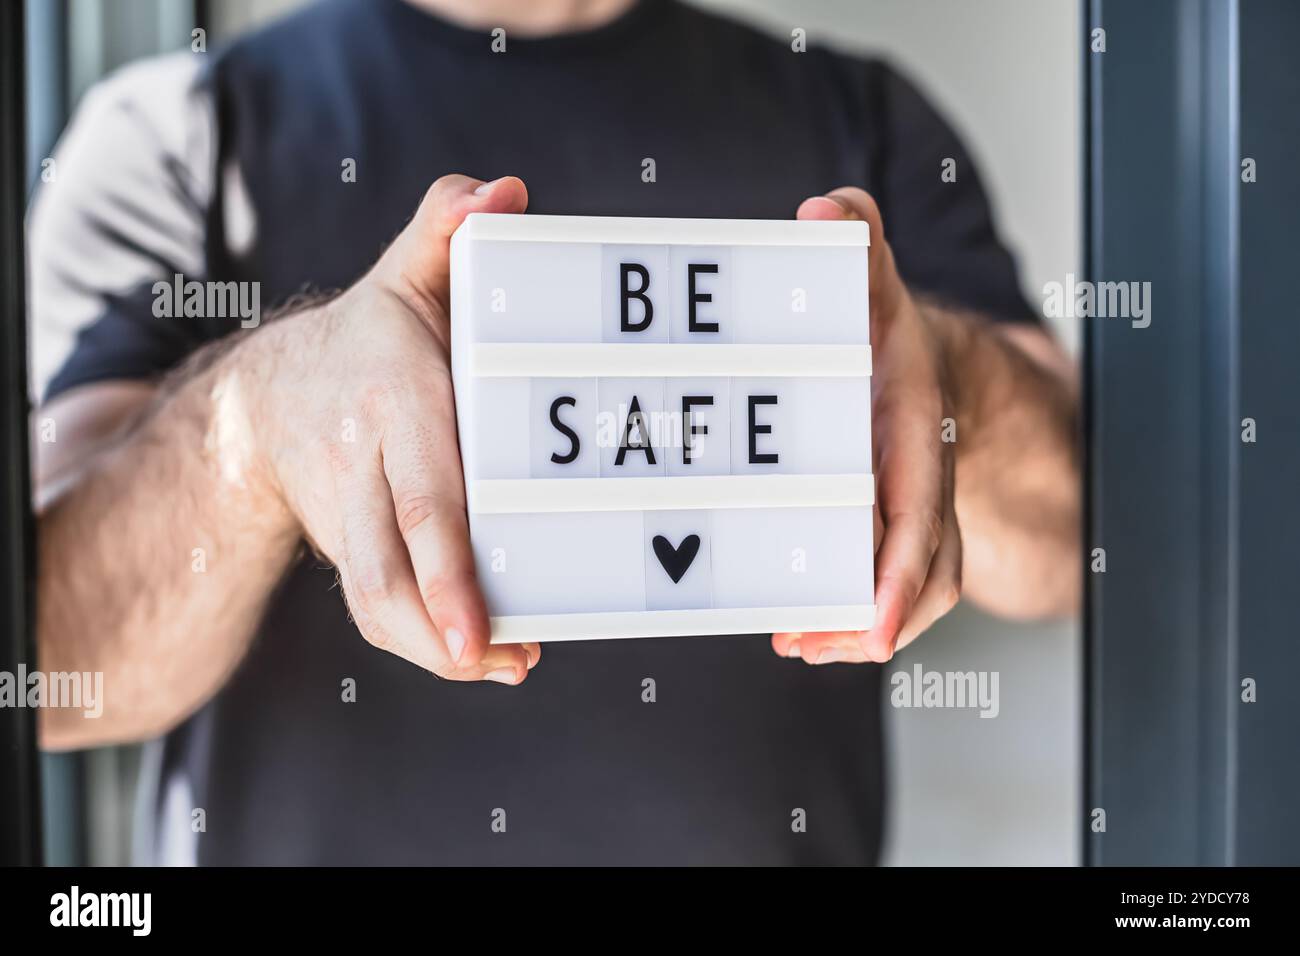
(665,424)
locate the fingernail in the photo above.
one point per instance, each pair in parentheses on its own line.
(502,675)
(844,207)
(532,660)
(455,643)
(831,655)
(482,189)
(792,650)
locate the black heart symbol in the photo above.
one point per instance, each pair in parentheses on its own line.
(676,560)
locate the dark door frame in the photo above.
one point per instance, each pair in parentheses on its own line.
(20,810)
(1197,524)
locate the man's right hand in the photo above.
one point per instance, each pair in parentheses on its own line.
(345,414)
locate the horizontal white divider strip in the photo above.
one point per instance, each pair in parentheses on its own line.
(655,360)
(537,495)
(513,227)
(689,623)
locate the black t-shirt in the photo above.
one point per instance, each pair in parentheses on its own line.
(231,166)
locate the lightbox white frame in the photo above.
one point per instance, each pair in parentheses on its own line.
(606,359)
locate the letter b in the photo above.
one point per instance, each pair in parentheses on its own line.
(626,294)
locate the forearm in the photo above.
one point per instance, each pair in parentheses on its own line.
(157,556)
(1017,479)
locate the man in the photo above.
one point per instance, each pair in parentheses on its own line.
(200,503)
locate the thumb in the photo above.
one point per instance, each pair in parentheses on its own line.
(848,202)
(418,261)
